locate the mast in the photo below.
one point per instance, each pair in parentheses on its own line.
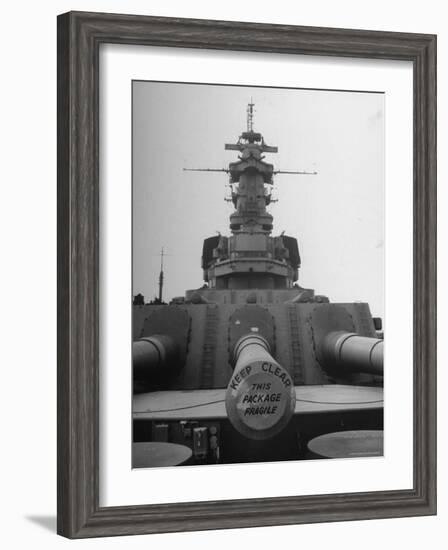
(161,276)
(250,116)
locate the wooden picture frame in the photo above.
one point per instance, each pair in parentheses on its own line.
(79,38)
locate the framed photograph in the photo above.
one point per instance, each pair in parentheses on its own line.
(246,274)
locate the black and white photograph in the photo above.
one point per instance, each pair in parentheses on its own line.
(222,238)
(258,274)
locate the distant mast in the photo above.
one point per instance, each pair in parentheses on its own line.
(161,276)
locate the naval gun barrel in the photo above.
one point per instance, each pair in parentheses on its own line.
(154,356)
(352,352)
(260,398)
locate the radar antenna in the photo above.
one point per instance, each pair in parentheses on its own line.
(251,146)
(301,172)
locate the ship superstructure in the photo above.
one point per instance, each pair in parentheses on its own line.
(251,258)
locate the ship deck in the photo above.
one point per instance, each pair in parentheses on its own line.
(201,404)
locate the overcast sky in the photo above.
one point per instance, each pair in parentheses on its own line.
(337,216)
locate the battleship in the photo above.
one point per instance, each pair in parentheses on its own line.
(251,366)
